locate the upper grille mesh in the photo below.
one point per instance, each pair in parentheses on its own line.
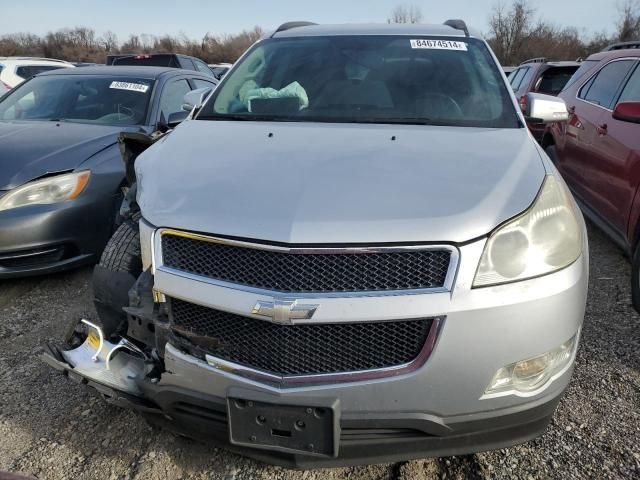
(299,349)
(313,272)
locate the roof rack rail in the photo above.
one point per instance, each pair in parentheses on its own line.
(290,25)
(535,60)
(622,46)
(458,25)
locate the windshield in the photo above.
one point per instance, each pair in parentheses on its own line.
(366,79)
(102,100)
(553,80)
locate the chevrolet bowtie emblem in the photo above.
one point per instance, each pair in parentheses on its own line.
(284,311)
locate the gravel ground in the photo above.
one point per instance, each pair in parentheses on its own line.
(51,428)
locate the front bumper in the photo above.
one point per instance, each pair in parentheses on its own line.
(42,239)
(438,409)
(373,437)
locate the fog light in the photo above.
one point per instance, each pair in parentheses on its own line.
(532,374)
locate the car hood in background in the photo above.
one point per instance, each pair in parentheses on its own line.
(29,150)
(309,183)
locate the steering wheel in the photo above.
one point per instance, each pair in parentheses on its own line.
(123,114)
(440,101)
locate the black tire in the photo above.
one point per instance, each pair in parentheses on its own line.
(118,269)
(635,279)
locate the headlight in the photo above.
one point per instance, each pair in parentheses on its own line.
(531,375)
(546,238)
(48,190)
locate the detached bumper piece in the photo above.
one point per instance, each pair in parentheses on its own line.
(299,433)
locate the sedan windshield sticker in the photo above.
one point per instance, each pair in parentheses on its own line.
(439,45)
(134,87)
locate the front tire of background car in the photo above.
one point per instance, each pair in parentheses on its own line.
(119,267)
(635,278)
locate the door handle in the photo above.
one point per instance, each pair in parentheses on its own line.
(602,129)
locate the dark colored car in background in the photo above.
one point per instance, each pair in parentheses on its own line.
(539,75)
(61,171)
(598,149)
(173,60)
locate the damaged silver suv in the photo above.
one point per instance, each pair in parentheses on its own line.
(352,251)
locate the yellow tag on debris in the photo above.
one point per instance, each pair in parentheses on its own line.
(93,339)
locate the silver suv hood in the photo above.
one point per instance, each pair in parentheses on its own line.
(307,183)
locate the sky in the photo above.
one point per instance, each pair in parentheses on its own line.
(195,18)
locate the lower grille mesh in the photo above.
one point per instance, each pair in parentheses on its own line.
(289,350)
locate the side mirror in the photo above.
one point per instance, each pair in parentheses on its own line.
(542,108)
(176,118)
(195,98)
(627,112)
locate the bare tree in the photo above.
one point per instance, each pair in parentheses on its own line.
(109,41)
(405,14)
(131,45)
(509,29)
(628,25)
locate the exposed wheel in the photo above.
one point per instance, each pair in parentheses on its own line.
(118,269)
(635,279)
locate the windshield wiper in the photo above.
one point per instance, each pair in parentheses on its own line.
(397,120)
(240,116)
(324,119)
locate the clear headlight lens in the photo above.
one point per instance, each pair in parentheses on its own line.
(533,373)
(59,188)
(546,238)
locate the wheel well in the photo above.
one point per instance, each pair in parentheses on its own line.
(547,140)
(635,239)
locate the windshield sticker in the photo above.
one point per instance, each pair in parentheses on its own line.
(134,87)
(439,45)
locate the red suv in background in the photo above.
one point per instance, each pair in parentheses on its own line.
(598,149)
(539,75)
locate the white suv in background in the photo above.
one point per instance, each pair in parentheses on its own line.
(15,70)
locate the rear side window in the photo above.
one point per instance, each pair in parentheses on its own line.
(203,67)
(553,80)
(172,96)
(199,83)
(584,68)
(516,77)
(186,63)
(526,80)
(631,92)
(28,71)
(602,88)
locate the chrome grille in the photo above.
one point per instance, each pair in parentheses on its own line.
(356,271)
(292,350)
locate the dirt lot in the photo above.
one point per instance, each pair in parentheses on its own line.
(51,428)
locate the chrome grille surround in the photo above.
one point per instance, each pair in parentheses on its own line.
(283,379)
(445,283)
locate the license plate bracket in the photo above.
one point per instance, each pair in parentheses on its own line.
(308,430)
